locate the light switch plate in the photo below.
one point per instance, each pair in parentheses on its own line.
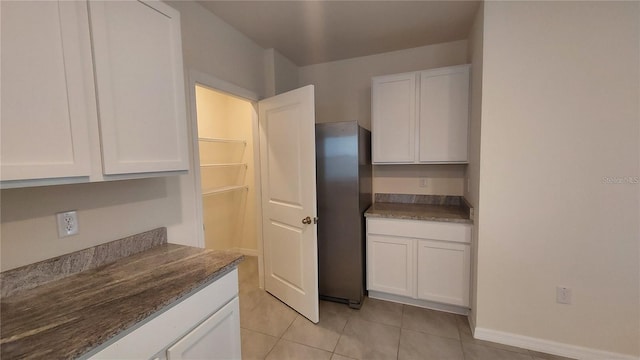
(563,295)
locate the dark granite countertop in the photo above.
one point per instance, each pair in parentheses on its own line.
(421,207)
(68,317)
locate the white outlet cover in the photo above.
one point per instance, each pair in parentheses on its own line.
(67,223)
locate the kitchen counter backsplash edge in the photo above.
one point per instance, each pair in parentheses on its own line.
(30,276)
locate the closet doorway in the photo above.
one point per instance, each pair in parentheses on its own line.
(228,171)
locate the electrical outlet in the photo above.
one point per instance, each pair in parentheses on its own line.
(67,223)
(563,295)
(423,182)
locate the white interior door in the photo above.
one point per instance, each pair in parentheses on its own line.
(288,169)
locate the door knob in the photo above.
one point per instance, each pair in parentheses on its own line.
(307,220)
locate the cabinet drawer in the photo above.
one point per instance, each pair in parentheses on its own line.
(430,230)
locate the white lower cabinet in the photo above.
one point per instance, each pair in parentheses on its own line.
(205,325)
(218,337)
(424,263)
(443,272)
(390,264)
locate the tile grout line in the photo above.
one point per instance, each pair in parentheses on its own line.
(349,316)
(400,335)
(458,325)
(333,352)
(309,346)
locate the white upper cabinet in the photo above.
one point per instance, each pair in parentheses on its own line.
(47,83)
(393,100)
(444,114)
(91,91)
(421,117)
(140,87)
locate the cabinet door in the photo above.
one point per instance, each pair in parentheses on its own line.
(443,272)
(218,337)
(140,85)
(393,118)
(390,264)
(444,114)
(46,85)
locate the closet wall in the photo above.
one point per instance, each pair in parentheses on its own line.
(227,171)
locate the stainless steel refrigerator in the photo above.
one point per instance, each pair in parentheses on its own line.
(343,160)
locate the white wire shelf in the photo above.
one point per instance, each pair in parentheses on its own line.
(216,140)
(224,189)
(223,165)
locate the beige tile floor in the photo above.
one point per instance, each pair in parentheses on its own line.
(379,330)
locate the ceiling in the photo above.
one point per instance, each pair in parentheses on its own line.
(311,32)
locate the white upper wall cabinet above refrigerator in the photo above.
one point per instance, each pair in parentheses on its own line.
(421,117)
(58,125)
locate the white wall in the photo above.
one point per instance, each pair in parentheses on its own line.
(213,47)
(405,179)
(106,211)
(109,211)
(472,176)
(281,75)
(560,113)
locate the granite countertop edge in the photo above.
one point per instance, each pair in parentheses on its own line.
(150,313)
(413,216)
(453,209)
(59,319)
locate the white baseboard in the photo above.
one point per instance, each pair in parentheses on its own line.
(420,303)
(546,346)
(247,252)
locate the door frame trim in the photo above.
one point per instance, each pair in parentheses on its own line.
(212,82)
